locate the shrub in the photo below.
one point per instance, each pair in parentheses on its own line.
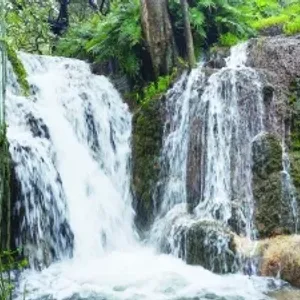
(292,27)
(27,25)
(286,16)
(228,39)
(115,36)
(8,263)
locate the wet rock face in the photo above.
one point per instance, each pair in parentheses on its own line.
(272,212)
(294,141)
(280,55)
(196,151)
(272,31)
(210,245)
(147,141)
(279,58)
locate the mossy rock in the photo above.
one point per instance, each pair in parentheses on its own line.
(5,193)
(294,102)
(210,245)
(272,210)
(266,155)
(147,142)
(18,69)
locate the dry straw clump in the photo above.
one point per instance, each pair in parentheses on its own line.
(277,256)
(281,257)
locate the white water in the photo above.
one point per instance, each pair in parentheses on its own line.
(233,119)
(289,191)
(81,169)
(229,108)
(175,141)
(70,143)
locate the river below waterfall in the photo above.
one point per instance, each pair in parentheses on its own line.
(70,146)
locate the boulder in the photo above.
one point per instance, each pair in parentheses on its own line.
(146,146)
(272,210)
(210,245)
(279,55)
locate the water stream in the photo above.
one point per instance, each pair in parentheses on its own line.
(70,145)
(211,123)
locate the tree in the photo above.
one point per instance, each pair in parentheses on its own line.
(158,34)
(188,33)
(27,25)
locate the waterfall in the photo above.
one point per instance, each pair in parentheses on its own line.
(289,191)
(70,144)
(175,141)
(73,218)
(233,119)
(211,120)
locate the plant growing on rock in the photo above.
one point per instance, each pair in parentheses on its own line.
(116,36)
(8,264)
(27,25)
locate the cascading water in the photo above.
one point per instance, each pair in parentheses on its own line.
(70,144)
(232,120)
(175,139)
(210,132)
(289,191)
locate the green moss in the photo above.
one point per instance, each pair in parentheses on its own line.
(155,89)
(19,69)
(5,203)
(294,102)
(147,142)
(210,245)
(271,212)
(286,18)
(271,21)
(292,27)
(229,39)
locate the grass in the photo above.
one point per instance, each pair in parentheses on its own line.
(288,18)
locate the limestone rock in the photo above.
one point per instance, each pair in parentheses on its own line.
(210,245)
(147,141)
(272,212)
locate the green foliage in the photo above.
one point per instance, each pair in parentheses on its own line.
(8,263)
(271,21)
(292,27)
(228,39)
(213,20)
(263,14)
(115,36)
(155,90)
(27,25)
(18,68)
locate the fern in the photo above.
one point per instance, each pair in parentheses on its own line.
(116,36)
(292,27)
(268,14)
(228,39)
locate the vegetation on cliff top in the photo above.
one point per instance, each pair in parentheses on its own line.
(117,35)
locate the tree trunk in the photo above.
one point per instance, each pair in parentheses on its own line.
(159,36)
(188,34)
(2,90)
